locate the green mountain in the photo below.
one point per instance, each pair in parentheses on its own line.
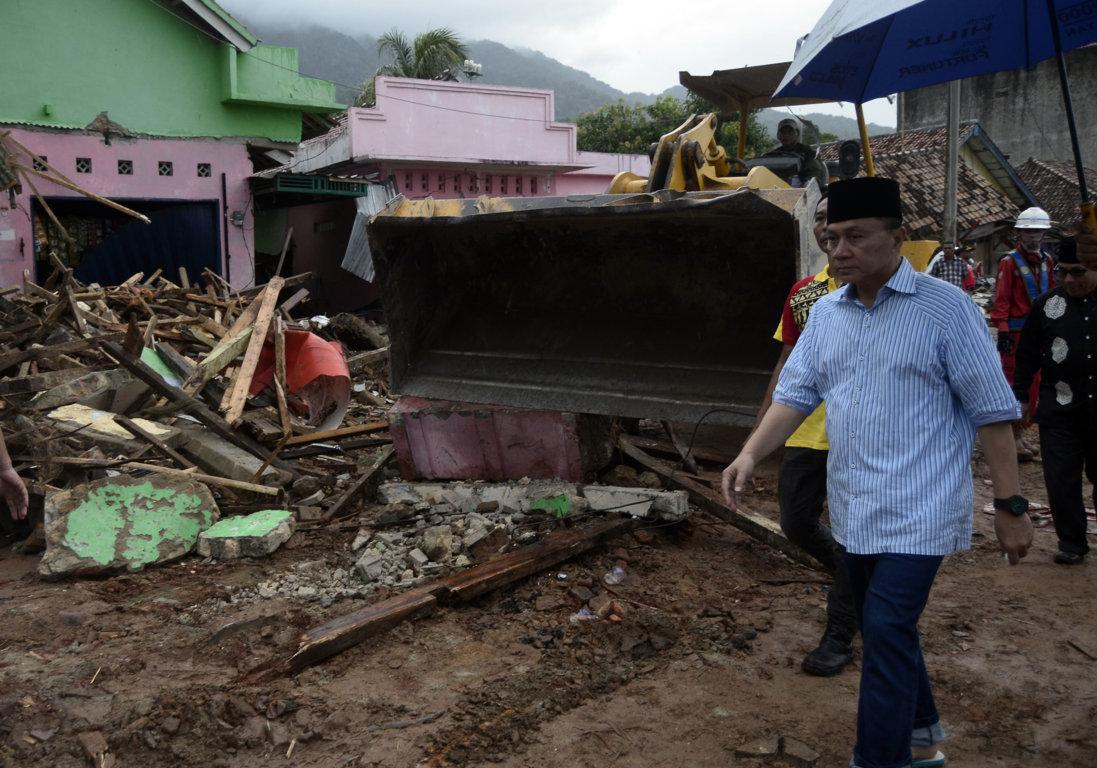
(348,61)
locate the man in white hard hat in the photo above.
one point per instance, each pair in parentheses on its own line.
(1024,274)
(788,133)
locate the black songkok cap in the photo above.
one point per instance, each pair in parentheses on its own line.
(866,197)
(1068,251)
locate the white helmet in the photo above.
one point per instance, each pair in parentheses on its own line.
(1033,218)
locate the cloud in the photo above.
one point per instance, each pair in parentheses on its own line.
(634,45)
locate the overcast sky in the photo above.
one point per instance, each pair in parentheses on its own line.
(634,45)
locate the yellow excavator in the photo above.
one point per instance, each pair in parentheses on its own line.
(656,300)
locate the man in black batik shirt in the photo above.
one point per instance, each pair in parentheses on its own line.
(1060,339)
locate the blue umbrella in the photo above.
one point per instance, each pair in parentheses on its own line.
(860,51)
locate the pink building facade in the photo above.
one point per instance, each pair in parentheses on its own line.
(441,140)
(143,174)
(446,140)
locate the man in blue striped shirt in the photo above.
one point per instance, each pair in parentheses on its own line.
(909,374)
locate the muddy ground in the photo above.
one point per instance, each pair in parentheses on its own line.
(705,661)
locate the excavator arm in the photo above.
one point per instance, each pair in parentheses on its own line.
(689,159)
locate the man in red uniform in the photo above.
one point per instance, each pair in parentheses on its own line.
(1024,274)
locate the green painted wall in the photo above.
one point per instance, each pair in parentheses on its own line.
(65,62)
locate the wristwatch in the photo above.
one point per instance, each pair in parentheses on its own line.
(1015,505)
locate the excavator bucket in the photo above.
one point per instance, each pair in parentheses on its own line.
(658,305)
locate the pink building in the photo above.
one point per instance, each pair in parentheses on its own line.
(200,185)
(442,140)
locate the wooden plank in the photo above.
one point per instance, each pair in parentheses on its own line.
(288,305)
(226,482)
(750,523)
(332,434)
(360,486)
(666,448)
(288,284)
(285,248)
(134,428)
(237,394)
(191,406)
(218,358)
(32,353)
(280,379)
(345,632)
(358,363)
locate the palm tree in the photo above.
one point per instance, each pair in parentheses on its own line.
(437,54)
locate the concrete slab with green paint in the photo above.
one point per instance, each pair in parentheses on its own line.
(254,535)
(124,524)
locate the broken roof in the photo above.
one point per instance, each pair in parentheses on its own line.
(1055,185)
(749,87)
(216,19)
(916,159)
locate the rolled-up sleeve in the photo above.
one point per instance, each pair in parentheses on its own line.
(974,369)
(798,386)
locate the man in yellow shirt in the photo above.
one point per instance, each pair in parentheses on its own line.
(802,484)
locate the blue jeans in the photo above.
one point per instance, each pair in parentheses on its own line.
(896,704)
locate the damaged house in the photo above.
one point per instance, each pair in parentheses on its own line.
(162,106)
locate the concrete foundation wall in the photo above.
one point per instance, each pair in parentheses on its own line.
(1022,110)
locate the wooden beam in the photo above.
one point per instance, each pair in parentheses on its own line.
(361,486)
(237,394)
(750,523)
(332,434)
(345,632)
(280,379)
(226,482)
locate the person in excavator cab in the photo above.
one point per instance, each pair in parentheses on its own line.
(788,133)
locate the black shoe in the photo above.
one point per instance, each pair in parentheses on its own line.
(1069,558)
(830,658)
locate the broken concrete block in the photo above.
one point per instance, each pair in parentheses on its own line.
(254,535)
(100,427)
(208,449)
(124,524)
(361,539)
(437,542)
(489,544)
(370,566)
(418,558)
(764,747)
(798,752)
(95,390)
(638,502)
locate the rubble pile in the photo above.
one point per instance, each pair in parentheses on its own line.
(169,385)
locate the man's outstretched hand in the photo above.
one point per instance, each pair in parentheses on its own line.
(736,478)
(14,493)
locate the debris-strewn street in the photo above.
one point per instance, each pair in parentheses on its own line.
(693,661)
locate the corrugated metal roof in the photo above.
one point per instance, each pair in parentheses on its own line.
(357,259)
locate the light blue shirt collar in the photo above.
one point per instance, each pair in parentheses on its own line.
(903,281)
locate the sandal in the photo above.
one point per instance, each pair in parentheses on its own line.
(936,761)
